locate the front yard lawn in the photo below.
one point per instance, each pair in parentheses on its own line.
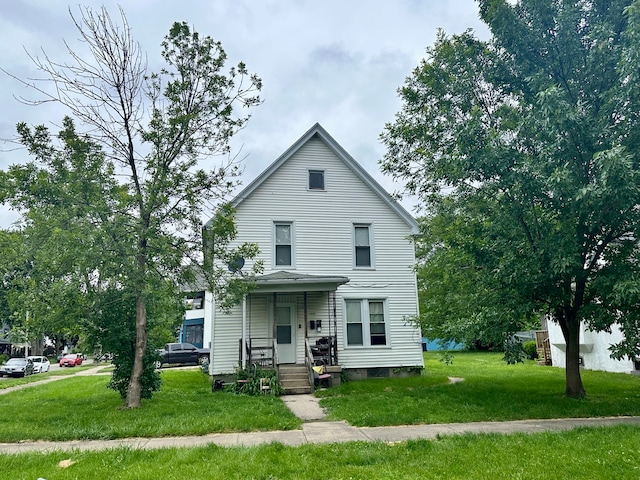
(491,391)
(83,408)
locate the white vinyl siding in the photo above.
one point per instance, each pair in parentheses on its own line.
(323,236)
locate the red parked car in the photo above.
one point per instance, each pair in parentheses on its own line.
(71,360)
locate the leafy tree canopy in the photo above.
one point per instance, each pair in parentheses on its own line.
(126,199)
(525,153)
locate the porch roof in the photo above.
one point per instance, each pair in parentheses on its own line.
(283,281)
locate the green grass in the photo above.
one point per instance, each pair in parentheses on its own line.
(83,408)
(491,391)
(602,453)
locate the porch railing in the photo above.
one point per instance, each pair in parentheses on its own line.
(309,360)
(325,351)
(543,346)
(261,351)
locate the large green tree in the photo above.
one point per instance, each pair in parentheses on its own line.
(524,150)
(63,194)
(155,130)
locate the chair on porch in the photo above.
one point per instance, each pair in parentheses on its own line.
(320,375)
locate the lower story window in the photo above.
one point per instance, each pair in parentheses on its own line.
(193,332)
(366,322)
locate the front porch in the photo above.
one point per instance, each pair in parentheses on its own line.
(263,352)
(320,366)
(289,323)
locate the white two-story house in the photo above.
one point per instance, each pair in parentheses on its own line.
(338,286)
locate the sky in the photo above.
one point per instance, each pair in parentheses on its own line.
(337,63)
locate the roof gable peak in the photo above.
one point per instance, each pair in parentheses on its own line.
(319,132)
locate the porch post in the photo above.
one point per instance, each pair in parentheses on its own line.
(244,332)
(306,316)
(335,332)
(275,326)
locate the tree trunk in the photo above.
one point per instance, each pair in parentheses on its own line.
(571,331)
(134,390)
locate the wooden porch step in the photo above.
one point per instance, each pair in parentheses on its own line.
(294,379)
(292,368)
(296,390)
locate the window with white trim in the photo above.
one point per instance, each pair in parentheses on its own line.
(283,254)
(362,246)
(366,322)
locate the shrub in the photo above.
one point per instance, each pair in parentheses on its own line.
(530,349)
(248,381)
(513,352)
(3,358)
(123,363)
(445,357)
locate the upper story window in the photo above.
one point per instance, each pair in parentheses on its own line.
(316,179)
(362,246)
(195,301)
(283,244)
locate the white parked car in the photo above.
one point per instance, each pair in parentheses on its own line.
(40,364)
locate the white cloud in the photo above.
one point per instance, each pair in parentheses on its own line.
(333,62)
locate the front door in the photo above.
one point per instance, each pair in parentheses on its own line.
(285,333)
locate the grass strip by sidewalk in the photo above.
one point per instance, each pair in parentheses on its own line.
(83,408)
(602,453)
(491,391)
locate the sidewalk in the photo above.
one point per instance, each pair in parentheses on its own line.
(315,430)
(322,432)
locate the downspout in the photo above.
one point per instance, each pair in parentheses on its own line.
(213,326)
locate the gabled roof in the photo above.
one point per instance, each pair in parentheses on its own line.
(341,153)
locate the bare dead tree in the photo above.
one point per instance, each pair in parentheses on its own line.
(155,128)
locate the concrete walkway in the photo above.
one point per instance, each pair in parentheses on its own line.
(316,430)
(321,432)
(305,407)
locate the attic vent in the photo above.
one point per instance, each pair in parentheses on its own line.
(316,179)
